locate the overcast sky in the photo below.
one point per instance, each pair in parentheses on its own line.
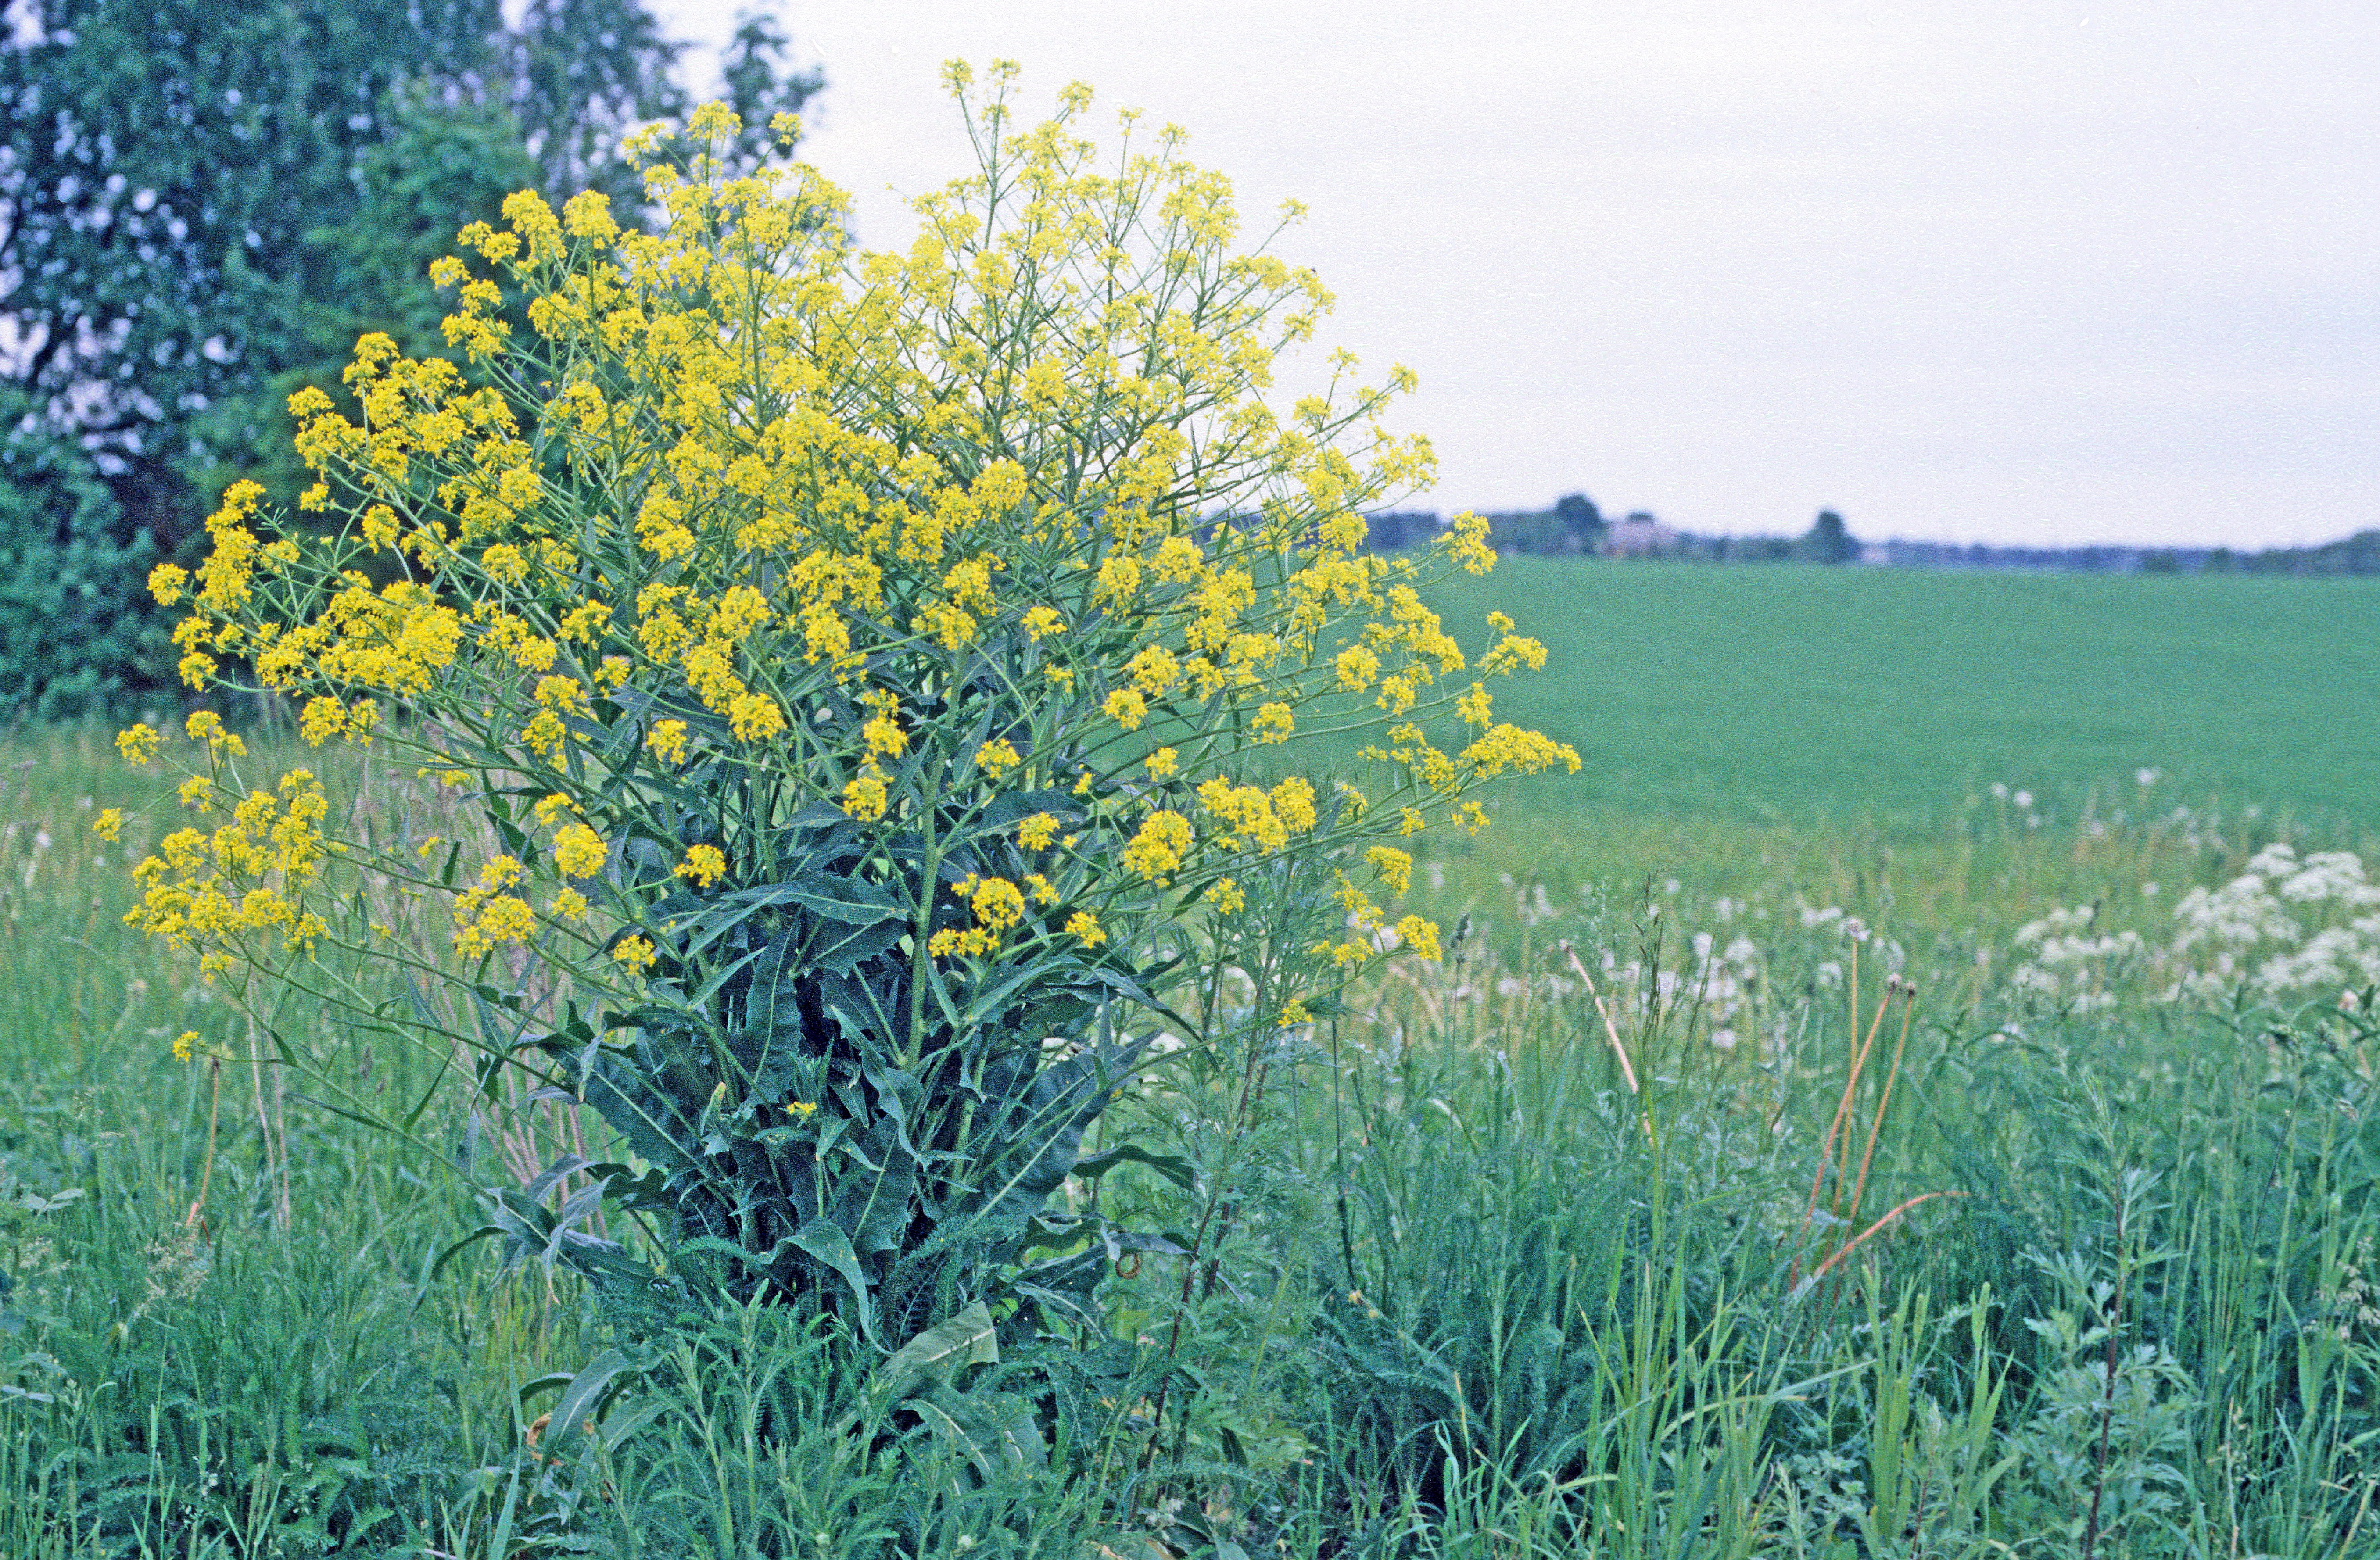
(2019,272)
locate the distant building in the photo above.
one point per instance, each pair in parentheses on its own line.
(1640,536)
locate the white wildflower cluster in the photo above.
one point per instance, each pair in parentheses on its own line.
(1724,982)
(2070,965)
(2197,830)
(2019,801)
(1719,987)
(2287,928)
(1853,929)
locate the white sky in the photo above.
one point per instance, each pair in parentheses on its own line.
(2025,272)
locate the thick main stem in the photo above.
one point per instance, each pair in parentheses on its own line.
(2107,1388)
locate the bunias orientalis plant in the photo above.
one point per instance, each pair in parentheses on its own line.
(834,696)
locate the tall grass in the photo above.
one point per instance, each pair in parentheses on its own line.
(1524,1262)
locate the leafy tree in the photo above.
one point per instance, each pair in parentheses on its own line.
(1582,521)
(761,83)
(1828,542)
(1396,528)
(202,205)
(71,631)
(439,166)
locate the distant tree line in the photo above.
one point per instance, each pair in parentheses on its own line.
(1574,527)
(2358,554)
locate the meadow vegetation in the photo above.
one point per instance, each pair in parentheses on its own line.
(1482,1295)
(916,1022)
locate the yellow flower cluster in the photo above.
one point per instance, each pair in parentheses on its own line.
(1157,849)
(212,891)
(786,531)
(1254,819)
(579,851)
(998,906)
(488,914)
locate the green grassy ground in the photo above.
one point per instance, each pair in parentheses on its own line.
(1703,1259)
(1866,695)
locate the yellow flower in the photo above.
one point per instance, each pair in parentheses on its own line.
(1164,763)
(579,851)
(1508,748)
(637,953)
(506,918)
(1127,708)
(1273,723)
(1467,543)
(703,865)
(182,1044)
(1227,897)
(110,823)
(1119,581)
(996,758)
(1420,936)
(865,798)
(756,718)
(1158,848)
(504,564)
(1347,955)
(323,718)
(1292,802)
(998,904)
(668,739)
(884,737)
(1034,833)
(1154,670)
(804,1110)
(1086,926)
(137,742)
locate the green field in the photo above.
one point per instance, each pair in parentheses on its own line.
(1803,694)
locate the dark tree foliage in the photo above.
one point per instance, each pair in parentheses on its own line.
(73,628)
(164,164)
(202,205)
(1582,521)
(1393,530)
(761,81)
(1828,542)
